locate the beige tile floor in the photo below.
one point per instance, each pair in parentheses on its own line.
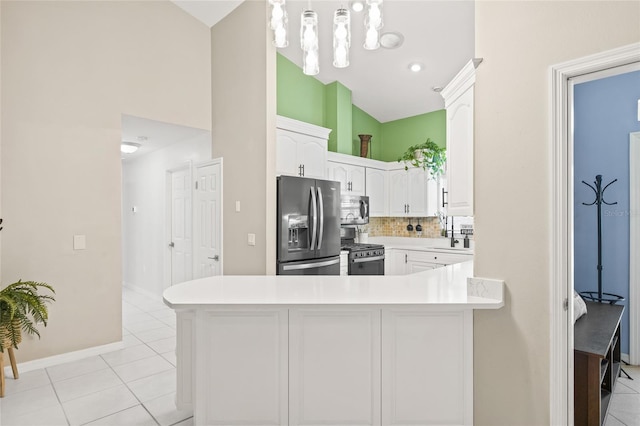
(132,386)
(136,385)
(624,408)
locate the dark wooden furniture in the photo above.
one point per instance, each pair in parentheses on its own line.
(596,361)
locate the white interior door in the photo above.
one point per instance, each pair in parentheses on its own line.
(208,219)
(181,238)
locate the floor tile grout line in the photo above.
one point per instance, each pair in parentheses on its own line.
(66,416)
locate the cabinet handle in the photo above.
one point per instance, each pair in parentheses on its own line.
(303,170)
(443,202)
(299,169)
(406,258)
(408,208)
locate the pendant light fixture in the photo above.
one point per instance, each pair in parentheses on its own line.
(341,38)
(309,42)
(373,24)
(279,23)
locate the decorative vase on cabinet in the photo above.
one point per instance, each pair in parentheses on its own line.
(364,144)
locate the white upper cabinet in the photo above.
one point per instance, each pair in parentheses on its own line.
(412,193)
(301,148)
(351,177)
(378,192)
(458,100)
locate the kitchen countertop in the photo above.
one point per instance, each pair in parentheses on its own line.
(441,288)
(432,244)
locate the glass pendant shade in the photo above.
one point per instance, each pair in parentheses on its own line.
(341,38)
(278,23)
(374,14)
(309,42)
(373,24)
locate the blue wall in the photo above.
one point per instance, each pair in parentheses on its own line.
(605,112)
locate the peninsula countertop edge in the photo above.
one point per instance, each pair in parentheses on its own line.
(451,287)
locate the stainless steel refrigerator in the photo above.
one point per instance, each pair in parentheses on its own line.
(308,226)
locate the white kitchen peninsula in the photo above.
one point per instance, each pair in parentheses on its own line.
(330,350)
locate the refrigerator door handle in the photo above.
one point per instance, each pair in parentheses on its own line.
(321,212)
(310,265)
(314,209)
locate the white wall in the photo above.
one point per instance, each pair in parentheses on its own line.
(69,72)
(519,41)
(243,77)
(145,254)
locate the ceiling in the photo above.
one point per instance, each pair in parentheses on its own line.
(437,34)
(153,135)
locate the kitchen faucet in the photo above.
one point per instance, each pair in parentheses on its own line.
(453,235)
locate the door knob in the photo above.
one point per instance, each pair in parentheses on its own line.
(171,244)
(216,258)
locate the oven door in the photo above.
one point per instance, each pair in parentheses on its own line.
(367,265)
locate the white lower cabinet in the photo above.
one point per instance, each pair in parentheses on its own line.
(334,367)
(427,367)
(401,262)
(312,366)
(395,262)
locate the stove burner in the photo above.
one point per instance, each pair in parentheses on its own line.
(362,246)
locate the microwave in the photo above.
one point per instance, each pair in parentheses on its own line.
(354,210)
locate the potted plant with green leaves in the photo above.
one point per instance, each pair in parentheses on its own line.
(427,155)
(21,309)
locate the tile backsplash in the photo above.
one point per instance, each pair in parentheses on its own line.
(397,226)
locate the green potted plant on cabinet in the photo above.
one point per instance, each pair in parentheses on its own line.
(426,155)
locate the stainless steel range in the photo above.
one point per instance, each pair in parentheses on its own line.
(364,258)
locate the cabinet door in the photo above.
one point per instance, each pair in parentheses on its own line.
(417,192)
(334,366)
(398,193)
(357,179)
(287,153)
(395,262)
(376,185)
(460,155)
(312,154)
(338,172)
(421,266)
(427,367)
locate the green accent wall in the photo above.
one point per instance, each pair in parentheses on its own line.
(338,117)
(300,96)
(400,134)
(364,124)
(305,98)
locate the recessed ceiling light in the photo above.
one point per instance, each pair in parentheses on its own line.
(437,89)
(391,40)
(415,67)
(129,147)
(357,6)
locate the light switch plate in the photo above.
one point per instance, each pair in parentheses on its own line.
(79,242)
(251,240)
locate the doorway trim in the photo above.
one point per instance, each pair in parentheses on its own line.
(634,248)
(561,221)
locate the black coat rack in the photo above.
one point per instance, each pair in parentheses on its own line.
(600,296)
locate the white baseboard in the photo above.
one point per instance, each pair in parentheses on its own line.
(142,291)
(50,361)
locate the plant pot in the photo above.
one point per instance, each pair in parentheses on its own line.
(7,330)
